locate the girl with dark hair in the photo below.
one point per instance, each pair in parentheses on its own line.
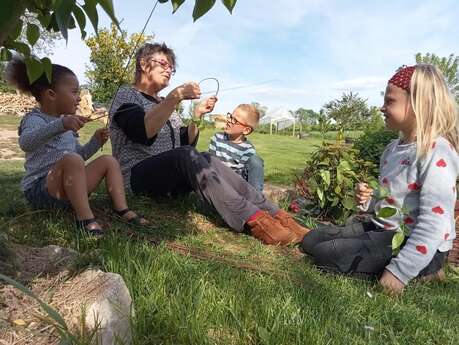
(56,174)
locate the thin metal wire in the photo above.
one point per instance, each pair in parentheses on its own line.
(218,85)
(204,93)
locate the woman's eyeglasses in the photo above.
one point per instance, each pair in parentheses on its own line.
(234,121)
(166,65)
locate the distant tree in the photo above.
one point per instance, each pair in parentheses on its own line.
(448,66)
(261,108)
(349,112)
(307,117)
(110,51)
(375,120)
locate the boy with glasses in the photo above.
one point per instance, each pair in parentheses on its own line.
(234,149)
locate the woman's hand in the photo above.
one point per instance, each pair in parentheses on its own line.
(204,107)
(185,91)
(363,193)
(102,135)
(391,284)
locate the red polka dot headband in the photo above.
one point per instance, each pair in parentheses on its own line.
(402,78)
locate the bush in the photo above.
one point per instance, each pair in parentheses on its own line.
(371,145)
(329,180)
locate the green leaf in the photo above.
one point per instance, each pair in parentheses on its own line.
(229,4)
(107,5)
(62,13)
(397,240)
(21,47)
(90,9)
(14,34)
(33,33)
(344,165)
(348,203)
(34,69)
(338,190)
(325,177)
(387,212)
(201,7)
(5,55)
(44,19)
(47,67)
(176,4)
(374,184)
(81,20)
(320,194)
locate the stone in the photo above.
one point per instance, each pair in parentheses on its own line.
(110,309)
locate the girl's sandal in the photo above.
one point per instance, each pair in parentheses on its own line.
(84,226)
(138,219)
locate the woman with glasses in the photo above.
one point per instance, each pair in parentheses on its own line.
(158,157)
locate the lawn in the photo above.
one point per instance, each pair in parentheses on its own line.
(233,290)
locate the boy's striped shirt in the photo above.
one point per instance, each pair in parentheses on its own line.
(231,154)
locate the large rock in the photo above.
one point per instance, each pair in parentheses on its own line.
(108,307)
(101,297)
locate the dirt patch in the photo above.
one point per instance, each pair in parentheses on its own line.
(45,272)
(9,147)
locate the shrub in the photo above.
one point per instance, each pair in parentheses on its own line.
(329,180)
(371,145)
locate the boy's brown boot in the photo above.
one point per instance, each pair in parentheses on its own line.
(270,231)
(288,222)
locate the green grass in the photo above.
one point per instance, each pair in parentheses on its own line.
(183,300)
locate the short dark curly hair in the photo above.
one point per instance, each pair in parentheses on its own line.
(147,50)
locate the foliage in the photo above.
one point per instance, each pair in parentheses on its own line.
(448,66)
(306,117)
(46,39)
(59,16)
(110,51)
(55,16)
(380,193)
(349,112)
(372,144)
(375,120)
(329,179)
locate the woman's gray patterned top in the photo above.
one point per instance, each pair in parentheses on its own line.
(45,141)
(129,153)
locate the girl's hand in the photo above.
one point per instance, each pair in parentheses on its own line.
(74,122)
(205,106)
(390,283)
(185,91)
(363,193)
(102,135)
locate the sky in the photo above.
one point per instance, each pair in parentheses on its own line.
(287,53)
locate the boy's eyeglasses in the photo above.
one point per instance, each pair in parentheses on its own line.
(234,121)
(166,65)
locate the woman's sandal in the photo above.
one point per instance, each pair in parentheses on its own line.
(138,219)
(83,225)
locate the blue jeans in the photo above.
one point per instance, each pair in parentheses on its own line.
(253,172)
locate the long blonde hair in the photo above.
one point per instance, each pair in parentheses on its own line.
(435,108)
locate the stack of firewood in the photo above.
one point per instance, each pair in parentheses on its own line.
(16,104)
